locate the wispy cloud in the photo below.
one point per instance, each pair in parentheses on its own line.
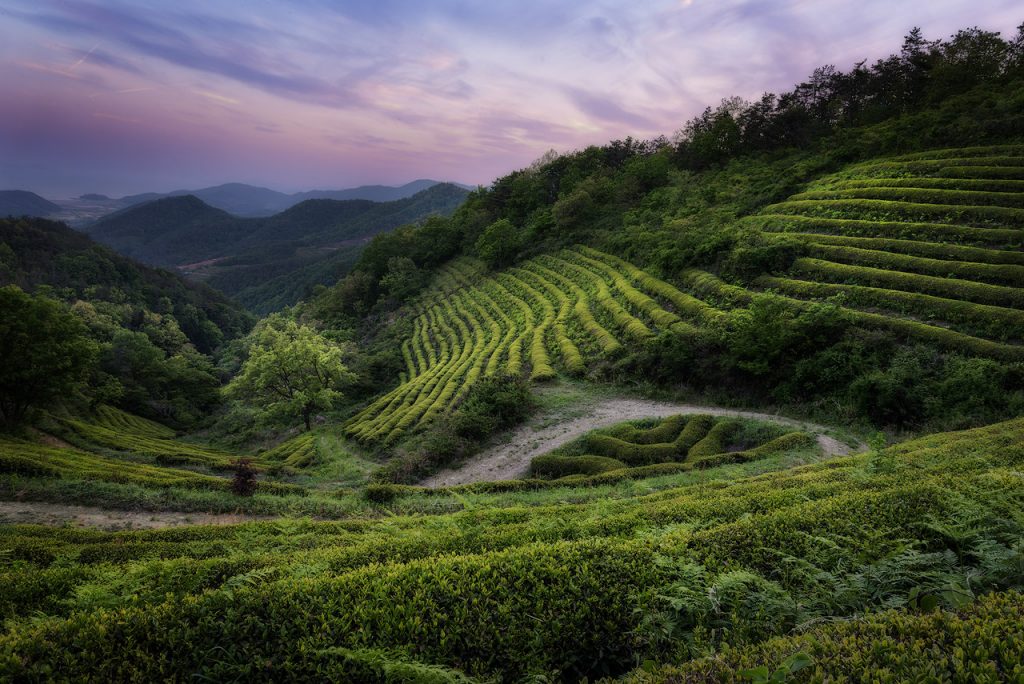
(293,93)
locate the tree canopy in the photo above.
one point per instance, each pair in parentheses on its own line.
(45,352)
(291,371)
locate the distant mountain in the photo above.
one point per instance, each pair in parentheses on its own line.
(25,203)
(169,231)
(265,262)
(249,200)
(376,193)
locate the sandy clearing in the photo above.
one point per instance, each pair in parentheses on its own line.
(511,459)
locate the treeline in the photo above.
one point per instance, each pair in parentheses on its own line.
(83,325)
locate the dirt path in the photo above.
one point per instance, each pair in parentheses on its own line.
(511,459)
(39,513)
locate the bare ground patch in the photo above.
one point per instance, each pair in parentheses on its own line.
(41,513)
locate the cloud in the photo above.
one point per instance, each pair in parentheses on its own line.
(607,109)
(290,92)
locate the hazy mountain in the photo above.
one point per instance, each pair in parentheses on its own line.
(249,200)
(25,203)
(170,231)
(377,193)
(266,262)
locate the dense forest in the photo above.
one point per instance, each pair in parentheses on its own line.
(147,333)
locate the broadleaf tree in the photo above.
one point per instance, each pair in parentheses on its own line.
(45,353)
(291,371)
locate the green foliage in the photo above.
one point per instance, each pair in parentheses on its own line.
(498,245)
(45,253)
(768,334)
(555,466)
(496,403)
(291,371)
(980,642)
(47,353)
(710,566)
(714,440)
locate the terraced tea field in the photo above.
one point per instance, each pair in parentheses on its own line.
(554,313)
(573,587)
(927,245)
(111,446)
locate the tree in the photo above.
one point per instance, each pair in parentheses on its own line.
(45,351)
(499,243)
(291,372)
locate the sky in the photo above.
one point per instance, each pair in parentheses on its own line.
(125,97)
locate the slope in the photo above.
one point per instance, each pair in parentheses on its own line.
(38,253)
(310,243)
(584,589)
(24,203)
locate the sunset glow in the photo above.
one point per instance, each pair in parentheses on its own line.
(122,97)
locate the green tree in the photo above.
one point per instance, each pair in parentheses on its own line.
(291,372)
(45,352)
(499,243)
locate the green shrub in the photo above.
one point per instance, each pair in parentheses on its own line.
(629,453)
(981,293)
(983,641)
(1007,274)
(576,637)
(714,442)
(555,466)
(905,230)
(697,428)
(976,319)
(788,442)
(883,210)
(915,194)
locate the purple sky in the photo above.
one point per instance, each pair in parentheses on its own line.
(124,97)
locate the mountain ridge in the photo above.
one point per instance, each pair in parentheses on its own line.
(25,203)
(235,253)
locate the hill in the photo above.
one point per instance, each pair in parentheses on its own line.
(248,200)
(745,405)
(860,265)
(24,203)
(39,253)
(265,262)
(153,332)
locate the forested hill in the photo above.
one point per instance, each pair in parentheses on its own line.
(42,255)
(856,240)
(311,243)
(140,338)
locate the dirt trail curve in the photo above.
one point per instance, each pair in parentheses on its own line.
(41,513)
(511,459)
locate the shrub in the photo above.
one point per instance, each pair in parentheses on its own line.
(714,442)
(555,466)
(244,481)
